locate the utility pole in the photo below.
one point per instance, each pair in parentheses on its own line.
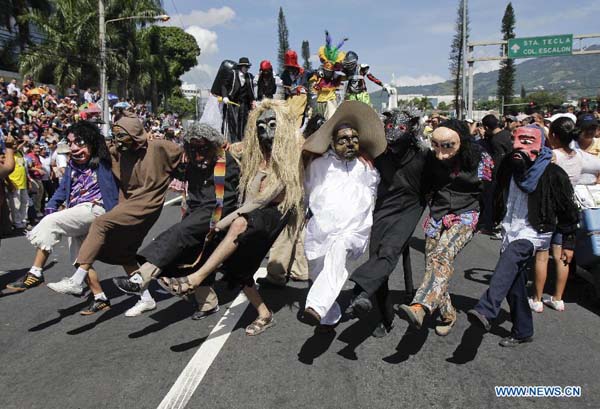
(103,85)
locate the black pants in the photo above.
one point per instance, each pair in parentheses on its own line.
(179,244)
(390,236)
(234,121)
(508,281)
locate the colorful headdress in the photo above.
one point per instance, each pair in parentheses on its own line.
(331,56)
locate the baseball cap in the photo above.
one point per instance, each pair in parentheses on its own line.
(565,115)
(587,121)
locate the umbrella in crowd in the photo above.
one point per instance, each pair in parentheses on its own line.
(113,97)
(37,91)
(122,104)
(90,108)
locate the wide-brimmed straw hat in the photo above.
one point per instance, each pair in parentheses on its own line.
(357,115)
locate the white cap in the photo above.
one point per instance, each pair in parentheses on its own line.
(567,115)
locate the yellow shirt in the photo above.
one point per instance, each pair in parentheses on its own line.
(594,148)
(19,176)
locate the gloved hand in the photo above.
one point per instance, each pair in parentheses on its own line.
(49,210)
(226,100)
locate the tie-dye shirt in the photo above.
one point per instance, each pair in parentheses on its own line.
(84,186)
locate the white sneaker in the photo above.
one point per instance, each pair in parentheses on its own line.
(140,307)
(66,286)
(536,306)
(557,305)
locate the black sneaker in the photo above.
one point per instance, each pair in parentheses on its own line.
(127,286)
(199,315)
(511,341)
(361,305)
(29,281)
(382,330)
(95,306)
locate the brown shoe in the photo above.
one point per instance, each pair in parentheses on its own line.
(311,317)
(414,314)
(444,327)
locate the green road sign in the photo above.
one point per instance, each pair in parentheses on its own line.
(546,46)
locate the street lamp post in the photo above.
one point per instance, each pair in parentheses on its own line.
(102,37)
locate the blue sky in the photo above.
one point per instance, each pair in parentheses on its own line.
(403,40)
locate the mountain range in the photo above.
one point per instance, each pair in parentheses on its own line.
(575,76)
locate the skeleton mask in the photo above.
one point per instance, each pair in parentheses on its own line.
(345,143)
(266,124)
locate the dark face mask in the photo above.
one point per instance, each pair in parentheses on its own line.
(520,161)
(266,124)
(346,144)
(201,153)
(398,131)
(123,140)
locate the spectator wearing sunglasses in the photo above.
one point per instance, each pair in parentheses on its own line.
(87,191)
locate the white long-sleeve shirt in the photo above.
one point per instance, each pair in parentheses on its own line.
(341,197)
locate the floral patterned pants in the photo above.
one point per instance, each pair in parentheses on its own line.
(440,252)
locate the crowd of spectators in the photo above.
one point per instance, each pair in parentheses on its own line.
(36,118)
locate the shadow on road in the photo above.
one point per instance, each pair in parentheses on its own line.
(410,344)
(62,313)
(170,315)
(315,346)
(188,345)
(115,310)
(477,275)
(356,334)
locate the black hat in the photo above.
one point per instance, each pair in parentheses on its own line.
(244,61)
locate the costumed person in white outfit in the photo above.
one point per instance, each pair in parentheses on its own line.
(340,189)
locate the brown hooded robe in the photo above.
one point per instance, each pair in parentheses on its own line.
(144,177)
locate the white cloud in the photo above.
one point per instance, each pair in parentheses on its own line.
(202,75)
(211,18)
(206,39)
(408,81)
(486,66)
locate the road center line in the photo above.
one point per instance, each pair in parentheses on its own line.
(191,376)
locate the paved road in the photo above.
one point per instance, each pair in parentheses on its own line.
(52,357)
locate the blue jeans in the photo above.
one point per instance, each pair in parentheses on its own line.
(508,281)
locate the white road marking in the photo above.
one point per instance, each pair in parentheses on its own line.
(191,376)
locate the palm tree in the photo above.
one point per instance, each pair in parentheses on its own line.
(70,47)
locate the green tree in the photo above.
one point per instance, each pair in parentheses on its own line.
(284,44)
(487,105)
(523,92)
(507,72)
(166,53)
(185,108)
(457,58)
(442,106)
(70,46)
(306,56)
(546,100)
(422,103)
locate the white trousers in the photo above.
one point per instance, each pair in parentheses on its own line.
(19,203)
(328,274)
(73,223)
